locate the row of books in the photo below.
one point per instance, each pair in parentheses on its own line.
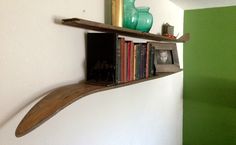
(134,61)
(113,60)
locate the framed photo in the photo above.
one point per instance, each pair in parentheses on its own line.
(165,57)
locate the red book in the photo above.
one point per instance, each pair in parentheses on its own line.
(122,59)
(129,61)
(134,67)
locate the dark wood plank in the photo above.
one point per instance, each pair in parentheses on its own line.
(52,104)
(62,97)
(81,23)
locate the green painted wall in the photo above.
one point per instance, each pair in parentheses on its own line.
(210,77)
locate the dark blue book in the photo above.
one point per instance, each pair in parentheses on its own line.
(118,61)
(137,64)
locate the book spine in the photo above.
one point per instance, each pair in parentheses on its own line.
(118,65)
(128,60)
(125,61)
(142,61)
(122,57)
(147,61)
(135,57)
(144,45)
(138,54)
(132,61)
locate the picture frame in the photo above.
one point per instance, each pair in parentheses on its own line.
(165,57)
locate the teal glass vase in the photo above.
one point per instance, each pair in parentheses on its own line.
(130,16)
(145,19)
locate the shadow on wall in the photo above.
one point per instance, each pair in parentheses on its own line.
(35,99)
(44,91)
(209,111)
(107,11)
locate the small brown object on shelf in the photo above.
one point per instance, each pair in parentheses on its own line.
(167,29)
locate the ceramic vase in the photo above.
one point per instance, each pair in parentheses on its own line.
(130,18)
(145,19)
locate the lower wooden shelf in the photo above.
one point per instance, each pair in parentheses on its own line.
(62,97)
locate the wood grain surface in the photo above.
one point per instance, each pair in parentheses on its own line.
(62,97)
(81,23)
(52,104)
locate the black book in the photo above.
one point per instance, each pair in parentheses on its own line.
(101,58)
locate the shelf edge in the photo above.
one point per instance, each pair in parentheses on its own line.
(91,25)
(62,97)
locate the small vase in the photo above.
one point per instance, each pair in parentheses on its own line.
(130,18)
(145,19)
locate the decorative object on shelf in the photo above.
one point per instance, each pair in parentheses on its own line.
(165,57)
(117,13)
(130,18)
(168,30)
(145,19)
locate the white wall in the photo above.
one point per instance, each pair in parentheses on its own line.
(37,55)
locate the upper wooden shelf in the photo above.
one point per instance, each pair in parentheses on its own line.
(81,23)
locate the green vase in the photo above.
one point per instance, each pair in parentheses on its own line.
(145,19)
(130,18)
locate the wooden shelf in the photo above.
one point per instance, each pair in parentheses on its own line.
(81,23)
(66,95)
(62,97)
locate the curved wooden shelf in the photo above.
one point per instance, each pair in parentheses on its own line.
(59,99)
(64,96)
(81,23)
